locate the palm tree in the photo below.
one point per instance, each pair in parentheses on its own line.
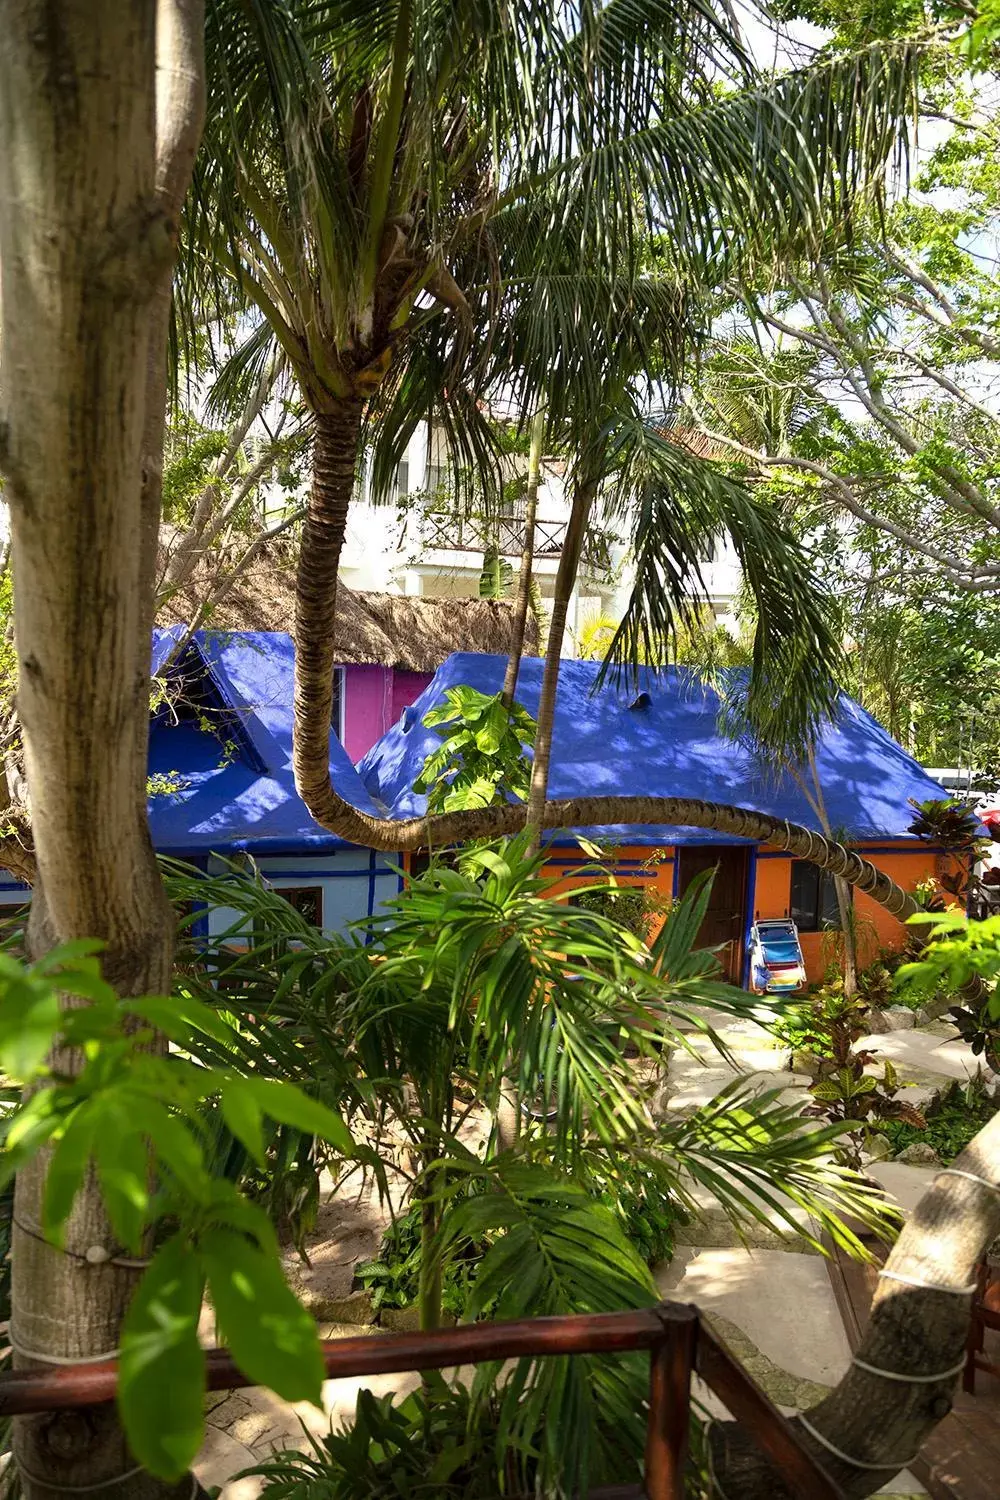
(480,977)
(390,174)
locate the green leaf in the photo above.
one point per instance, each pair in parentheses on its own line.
(67,1168)
(272,1336)
(290,1106)
(123,1169)
(178,1149)
(162,1365)
(176,1017)
(242,1114)
(29,1024)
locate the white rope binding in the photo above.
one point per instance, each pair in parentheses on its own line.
(930,1286)
(58,1359)
(856,1463)
(909,1379)
(994,1187)
(63,1488)
(90,1489)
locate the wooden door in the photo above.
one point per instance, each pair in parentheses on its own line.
(724,926)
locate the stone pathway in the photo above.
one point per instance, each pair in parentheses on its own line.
(769,1297)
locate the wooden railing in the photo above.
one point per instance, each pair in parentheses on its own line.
(679,1343)
(451,531)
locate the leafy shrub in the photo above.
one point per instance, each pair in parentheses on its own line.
(394,1278)
(481,759)
(648,1216)
(631,906)
(956,1115)
(829,1028)
(436,1442)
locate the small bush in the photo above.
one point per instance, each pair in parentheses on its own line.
(953,1118)
(435,1442)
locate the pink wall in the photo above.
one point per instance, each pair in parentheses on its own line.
(374,698)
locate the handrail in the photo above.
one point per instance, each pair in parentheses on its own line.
(679,1345)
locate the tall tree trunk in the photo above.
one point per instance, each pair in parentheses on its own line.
(845,910)
(99,120)
(335,457)
(522,603)
(914,1332)
(584,493)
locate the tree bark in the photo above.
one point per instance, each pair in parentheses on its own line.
(913,1332)
(584,493)
(522,603)
(335,457)
(95,153)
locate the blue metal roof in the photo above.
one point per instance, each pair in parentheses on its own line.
(234,789)
(669,746)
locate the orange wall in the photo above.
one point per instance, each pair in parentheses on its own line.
(876,928)
(771,890)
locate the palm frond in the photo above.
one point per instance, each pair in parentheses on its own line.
(681,505)
(553,1250)
(761,1162)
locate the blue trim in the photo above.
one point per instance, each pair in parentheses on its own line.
(199,927)
(751,900)
(675,883)
(371,883)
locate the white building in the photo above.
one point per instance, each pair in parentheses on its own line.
(420,544)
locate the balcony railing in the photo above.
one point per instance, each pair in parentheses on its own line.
(451,531)
(680,1345)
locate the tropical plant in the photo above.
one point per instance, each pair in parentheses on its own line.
(843,1090)
(951,823)
(476,981)
(482,758)
(959,950)
(410,200)
(134,1117)
(436,1441)
(954,1116)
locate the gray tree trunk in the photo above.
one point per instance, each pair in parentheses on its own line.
(914,1332)
(522,603)
(100,108)
(584,492)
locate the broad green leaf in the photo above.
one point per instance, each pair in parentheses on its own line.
(290,1106)
(179,1151)
(67,1168)
(162,1365)
(72,955)
(176,1016)
(29,1024)
(242,1113)
(123,1169)
(272,1336)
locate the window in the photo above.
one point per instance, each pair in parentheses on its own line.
(814,898)
(337,706)
(402,482)
(307,900)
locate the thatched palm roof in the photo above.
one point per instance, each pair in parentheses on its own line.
(391,630)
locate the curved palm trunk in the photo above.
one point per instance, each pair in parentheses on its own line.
(335,457)
(569,563)
(522,603)
(92,176)
(914,1332)
(841,888)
